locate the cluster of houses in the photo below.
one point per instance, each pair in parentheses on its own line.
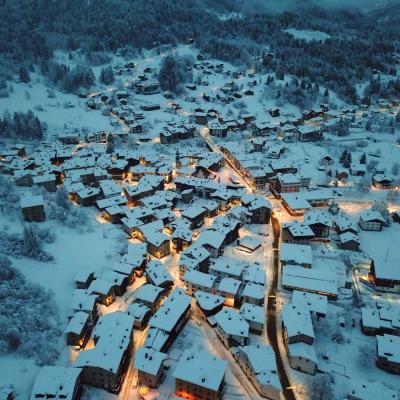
(383,321)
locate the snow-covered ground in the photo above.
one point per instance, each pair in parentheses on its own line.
(307,35)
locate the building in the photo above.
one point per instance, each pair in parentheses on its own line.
(78,329)
(57,383)
(388,357)
(296,254)
(105,363)
(229,289)
(172,316)
(209,304)
(200,376)
(297,325)
(33,208)
(385,276)
(150,366)
(196,280)
(384,318)
(254,315)
(371,220)
(259,364)
(302,357)
(349,241)
(232,328)
(366,390)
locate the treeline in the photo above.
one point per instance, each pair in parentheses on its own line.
(21,125)
(67,79)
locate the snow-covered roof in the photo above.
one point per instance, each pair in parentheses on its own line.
(148,293)
(254,291)
(158,274)
(313,302)
(310,280)
(171,310)
(296,254)
(303,350)
(262,361)
(372,215)
(366,390)
(77,322)
(252,313)
(55,382)
(149,360)
(208,301)
(138,311)
(228,266)
(297,321)
(232,323)
(389,347)
(31,201)
(199,278)
(201,369)
(114,332)
(229,285)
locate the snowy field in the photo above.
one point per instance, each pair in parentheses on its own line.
(308,35)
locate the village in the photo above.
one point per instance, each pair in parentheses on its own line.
(264,228)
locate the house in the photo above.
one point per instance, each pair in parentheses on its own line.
(302,357)
(310,280)
(33,208)
(150,366)
(57,383)
(297,324)
(297,232)
(104,290)
(253,293)
(199,375)
(78,329)
(388,357)
(105,364)
(316,304)
(195,215)
(149,295)
(344,224)
(296,254)
(254,315)
(158,244)
(172,316)
(385,276)
(349,241)
(82,300)
(141,314)
(366,390)
(307,133)
(210,304)
(196,280)
(259,364)
(227,267)
(319,221)
(158,275)
(47,181)
(380,320)
(371,220)
(229,288)
(232,328)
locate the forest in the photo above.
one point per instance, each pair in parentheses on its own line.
(357,49)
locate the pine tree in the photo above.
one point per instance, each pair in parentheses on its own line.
(24,75)
(107,75)
(363,159)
